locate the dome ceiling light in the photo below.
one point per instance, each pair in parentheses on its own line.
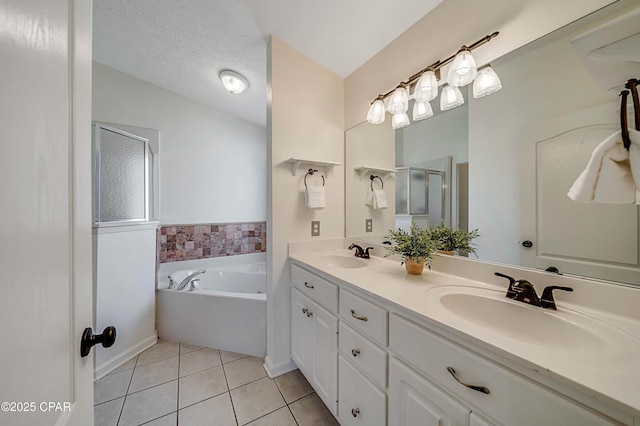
(233,82)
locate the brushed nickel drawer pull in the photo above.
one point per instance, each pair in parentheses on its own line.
(355,412)
(355,352)
(353,314)
(475,388)
(307,285)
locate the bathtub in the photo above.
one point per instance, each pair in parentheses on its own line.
(227,311)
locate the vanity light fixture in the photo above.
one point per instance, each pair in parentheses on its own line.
(233,82)
(424,83)
(450,98)
(486,83)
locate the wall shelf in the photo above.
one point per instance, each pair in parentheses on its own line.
(296,162)
(384,173)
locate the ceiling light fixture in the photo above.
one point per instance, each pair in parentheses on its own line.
(463,70)
(233,82)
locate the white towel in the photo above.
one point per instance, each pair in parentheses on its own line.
(612,174)
(380,199)
(314,197)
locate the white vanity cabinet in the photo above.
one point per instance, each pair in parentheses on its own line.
(314,336)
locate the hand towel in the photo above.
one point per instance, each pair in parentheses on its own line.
(369,199)
(608,176)
(314,197)
(380,199)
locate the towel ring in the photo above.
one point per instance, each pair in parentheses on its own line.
(372,177)
(623,119)
(311,172)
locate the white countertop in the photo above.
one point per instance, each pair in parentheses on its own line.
(606,367)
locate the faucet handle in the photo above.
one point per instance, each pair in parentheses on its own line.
(366,253)
(547,301)
(172,283)
(511,292)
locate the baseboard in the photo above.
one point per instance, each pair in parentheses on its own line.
(279,369)
(125,356)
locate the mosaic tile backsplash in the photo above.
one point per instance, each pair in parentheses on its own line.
(189,242)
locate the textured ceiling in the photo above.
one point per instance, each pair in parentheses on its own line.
(182,45)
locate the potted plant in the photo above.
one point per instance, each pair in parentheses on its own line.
(449,240)
(416,248)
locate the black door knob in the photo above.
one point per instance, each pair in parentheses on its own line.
(107,339)
(527,244)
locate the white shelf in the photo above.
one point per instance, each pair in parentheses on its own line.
(363,170)
(296,162)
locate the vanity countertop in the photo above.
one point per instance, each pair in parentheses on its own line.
(604,363)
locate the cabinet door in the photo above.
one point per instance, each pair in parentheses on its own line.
(362,403)
(301,332)
(324,364)
(476,420)
(415,401)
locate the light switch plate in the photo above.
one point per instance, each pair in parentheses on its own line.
(369,225)
(315,228)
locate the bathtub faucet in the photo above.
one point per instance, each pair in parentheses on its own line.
(187,280)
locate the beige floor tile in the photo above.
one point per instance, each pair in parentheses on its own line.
(244,370)
(168,420)
(111,386)
(215,411)
(293,386)
(108,413)
(158,352)
(126,366)
(150,404)
(256,399)
(186,348)
(200,386)
(230,356)
(281,417)
(310,410)
(199,360)
(153,374)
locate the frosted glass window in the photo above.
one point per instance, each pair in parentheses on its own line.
(122,171)
(402,191)
(436,198)
(418,191)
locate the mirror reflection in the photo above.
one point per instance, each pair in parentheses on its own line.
(504,163)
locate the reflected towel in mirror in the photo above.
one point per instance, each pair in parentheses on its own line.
(314,197)
(612,174)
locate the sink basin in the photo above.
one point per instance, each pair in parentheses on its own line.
(345,262)
(491,310)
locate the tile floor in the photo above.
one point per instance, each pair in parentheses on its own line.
(175,383)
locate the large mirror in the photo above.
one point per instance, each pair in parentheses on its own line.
(507,161)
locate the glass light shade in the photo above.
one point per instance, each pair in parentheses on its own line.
(233,82)
(450,98)
(399,101)
(422,110)
(399,121)
(486,83)
(426,87)
(376,112)
(462,70)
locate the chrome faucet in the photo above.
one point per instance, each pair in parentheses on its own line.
(523,291)
(360,252)
(187,280)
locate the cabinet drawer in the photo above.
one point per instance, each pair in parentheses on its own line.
(511,399)
(364,353)
(360,402)
(318,289)
(364,316)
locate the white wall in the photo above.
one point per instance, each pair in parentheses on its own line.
(546,82)
(369,145)
(212,164)
(305,119)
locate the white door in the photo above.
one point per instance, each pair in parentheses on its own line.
(596,240)
(45,215)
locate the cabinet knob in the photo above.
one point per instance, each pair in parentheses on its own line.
(355,352)
(355,412)
(307,285)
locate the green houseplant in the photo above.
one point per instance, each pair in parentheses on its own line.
(449,240)
(416,248)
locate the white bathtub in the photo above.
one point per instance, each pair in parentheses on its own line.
(227,312)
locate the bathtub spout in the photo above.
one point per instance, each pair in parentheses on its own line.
(187,280)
